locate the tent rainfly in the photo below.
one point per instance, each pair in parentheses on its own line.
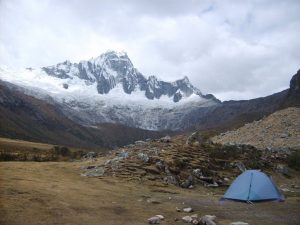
(253,186)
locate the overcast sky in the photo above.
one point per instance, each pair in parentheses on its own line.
(232,49)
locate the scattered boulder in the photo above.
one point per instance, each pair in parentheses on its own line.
(166,139)
(160,217)
(241,166)
(144,157)
(283,169)
(208,220)
(123,155)
(96,172)
(154,220)
(188,210)
(187,183)
(194,216)
(90,155)
(239,223)
(171,180)
(153,201)
(192,138)
(197,173)
(187,219)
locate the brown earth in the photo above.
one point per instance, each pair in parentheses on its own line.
(55,193)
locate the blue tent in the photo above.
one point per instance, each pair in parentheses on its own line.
(253,185)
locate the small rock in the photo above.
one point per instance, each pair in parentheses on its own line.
(284,135)
(208,220)
(90,155)
(166,139)
(283,169)
(144,157)
(187,219)
(239,223)
(153,201)
(139,142)
(178,210)
(123,155)
(154,220)
(98,172)
(285,189)
(194,216)
(90,167)
(188,210)
(241,166)
(160,217)
(195,222)
(187,183)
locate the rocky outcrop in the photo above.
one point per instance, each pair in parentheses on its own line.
(280,130)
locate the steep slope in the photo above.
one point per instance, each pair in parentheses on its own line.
(234,114)
(279,130)
(25,117)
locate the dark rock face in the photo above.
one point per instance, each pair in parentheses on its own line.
(112,68)
(295,84)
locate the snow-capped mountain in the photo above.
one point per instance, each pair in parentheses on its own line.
(115,68)
(109,89)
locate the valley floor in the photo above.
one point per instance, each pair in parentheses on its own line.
(55,193)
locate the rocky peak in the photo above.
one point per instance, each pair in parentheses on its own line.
(112,68)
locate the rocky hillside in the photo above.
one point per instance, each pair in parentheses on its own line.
(182,161)
(278,130)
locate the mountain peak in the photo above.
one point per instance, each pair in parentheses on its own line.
(113,68)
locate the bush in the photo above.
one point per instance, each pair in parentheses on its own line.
(63,151)
(4,156)
(294,160)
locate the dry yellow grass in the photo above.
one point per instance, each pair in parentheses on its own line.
(55,193)
(14,144)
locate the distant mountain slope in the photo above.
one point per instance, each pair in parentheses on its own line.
(233,114)
(25,117)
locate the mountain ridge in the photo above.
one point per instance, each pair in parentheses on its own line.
(108,89)
(113,68)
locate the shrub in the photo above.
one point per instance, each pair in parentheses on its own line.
(4,156)
(63,151)
(294,160)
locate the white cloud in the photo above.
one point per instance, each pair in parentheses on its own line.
(233,49)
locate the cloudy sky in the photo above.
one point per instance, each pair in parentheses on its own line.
(233,49)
